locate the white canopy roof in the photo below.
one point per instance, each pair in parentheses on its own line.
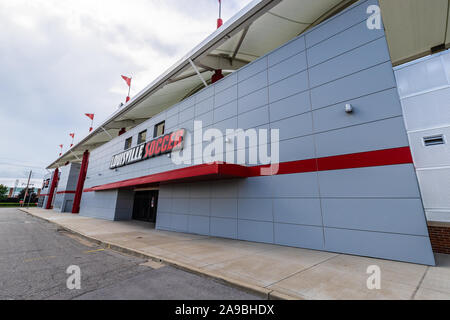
(412,26)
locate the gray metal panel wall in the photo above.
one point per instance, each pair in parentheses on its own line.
(46,191)
(301,89)
(108,205)
(59,197)
(66,186)
(100,205)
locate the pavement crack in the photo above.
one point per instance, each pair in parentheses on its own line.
(420,283)
(303,270)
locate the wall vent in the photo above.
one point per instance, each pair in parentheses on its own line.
(433,140)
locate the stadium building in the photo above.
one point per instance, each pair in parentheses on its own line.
(359,108)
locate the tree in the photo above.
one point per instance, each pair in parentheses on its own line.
(3,192)
(31,193)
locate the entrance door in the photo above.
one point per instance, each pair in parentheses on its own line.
(145,205)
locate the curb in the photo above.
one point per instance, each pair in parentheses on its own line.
(249,288)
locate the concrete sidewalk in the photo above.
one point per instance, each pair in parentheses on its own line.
(270,270)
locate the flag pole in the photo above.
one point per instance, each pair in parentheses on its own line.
(219,20)
(73,137)
(128,81)
(129,88)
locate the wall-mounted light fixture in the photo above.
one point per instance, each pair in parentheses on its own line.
(348,108)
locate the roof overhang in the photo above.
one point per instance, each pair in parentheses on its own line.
(415,28)
(202,172)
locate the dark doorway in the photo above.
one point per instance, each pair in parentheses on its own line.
(145,205)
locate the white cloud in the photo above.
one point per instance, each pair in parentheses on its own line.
(62,58)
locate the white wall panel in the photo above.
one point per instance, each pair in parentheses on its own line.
(424,88)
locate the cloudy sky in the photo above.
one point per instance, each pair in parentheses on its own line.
(62,58)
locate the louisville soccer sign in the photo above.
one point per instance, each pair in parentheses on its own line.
(164,144)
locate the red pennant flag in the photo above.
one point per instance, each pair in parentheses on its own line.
(90,116)
(72,135)
(127,80)
(61,146)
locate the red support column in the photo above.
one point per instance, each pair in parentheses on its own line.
(52,189)
(122,131)
(80,183)
(217,75)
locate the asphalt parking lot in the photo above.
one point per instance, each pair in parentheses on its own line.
(35,255)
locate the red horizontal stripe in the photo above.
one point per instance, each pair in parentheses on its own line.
(59,192)
(217,170)
(299,166)
(62,192)
(366,159)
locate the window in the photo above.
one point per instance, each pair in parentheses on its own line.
(159,129)
(128,143)
(142,136)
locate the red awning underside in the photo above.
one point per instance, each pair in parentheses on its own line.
(219,170)
(212,171)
